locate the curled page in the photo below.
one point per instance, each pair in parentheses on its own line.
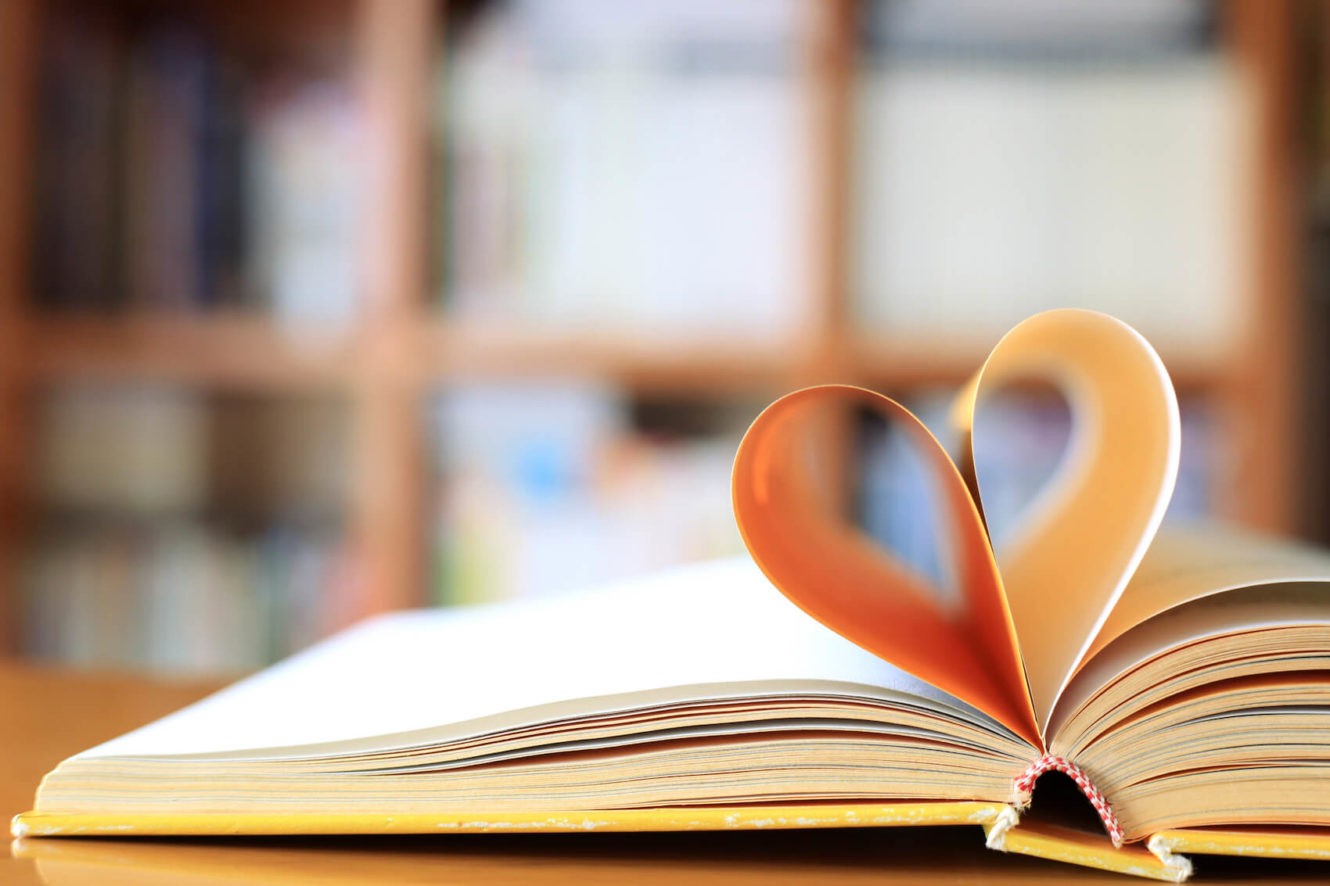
(834,572)
(1027,615)
(1068,560)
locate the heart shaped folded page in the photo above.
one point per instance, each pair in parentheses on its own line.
(1022,617)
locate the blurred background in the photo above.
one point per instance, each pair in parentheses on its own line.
(314,309)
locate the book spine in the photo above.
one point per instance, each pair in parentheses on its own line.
(1024,788)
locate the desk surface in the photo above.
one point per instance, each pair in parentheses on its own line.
(46,715)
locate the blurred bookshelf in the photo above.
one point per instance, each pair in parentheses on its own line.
(461,222)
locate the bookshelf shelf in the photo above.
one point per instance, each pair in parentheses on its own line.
(896,363)
(227,352)
(454,352)
(397,348)
(236,352)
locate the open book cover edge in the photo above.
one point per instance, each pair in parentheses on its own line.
(1303,843)
(996,819)
(1069,846)
(699,818)
(1159,858)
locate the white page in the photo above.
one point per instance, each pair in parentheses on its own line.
(718,622)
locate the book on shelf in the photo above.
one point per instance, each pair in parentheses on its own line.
(185,533)
(183,594)
(1040,30)
(1179,678)
(179,172)
(1091,155)
(549,487)
(586,146)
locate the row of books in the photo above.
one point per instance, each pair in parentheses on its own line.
(183,532)
(178,172)
(988,192)
(162,451)
(1039,30)
(626,165)
(648,166)
(546,488)
(192,533)
(182,596)
(608,166)
(1017,157)
(160,551)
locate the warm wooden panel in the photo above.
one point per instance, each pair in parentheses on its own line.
(896,363)
(677,364)
(254,353)
(396,40)
(222,352)
(18,27)
(830,51)
(1266,386)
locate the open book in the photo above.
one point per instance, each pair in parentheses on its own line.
(1181,680)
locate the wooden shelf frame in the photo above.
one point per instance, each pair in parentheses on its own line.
(224,352)
(253,354)
(399,349)
(18,24)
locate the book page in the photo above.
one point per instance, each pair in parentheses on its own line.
(1185,564)
(1066,564)
(1244,609)
(715,623)
(964,642)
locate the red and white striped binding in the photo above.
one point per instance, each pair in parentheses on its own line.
(1025,787)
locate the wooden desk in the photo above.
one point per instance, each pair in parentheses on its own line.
(48,715)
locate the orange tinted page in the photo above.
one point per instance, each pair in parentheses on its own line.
(1068,560)
(842,578)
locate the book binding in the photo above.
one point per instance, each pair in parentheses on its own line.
(1024,787)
